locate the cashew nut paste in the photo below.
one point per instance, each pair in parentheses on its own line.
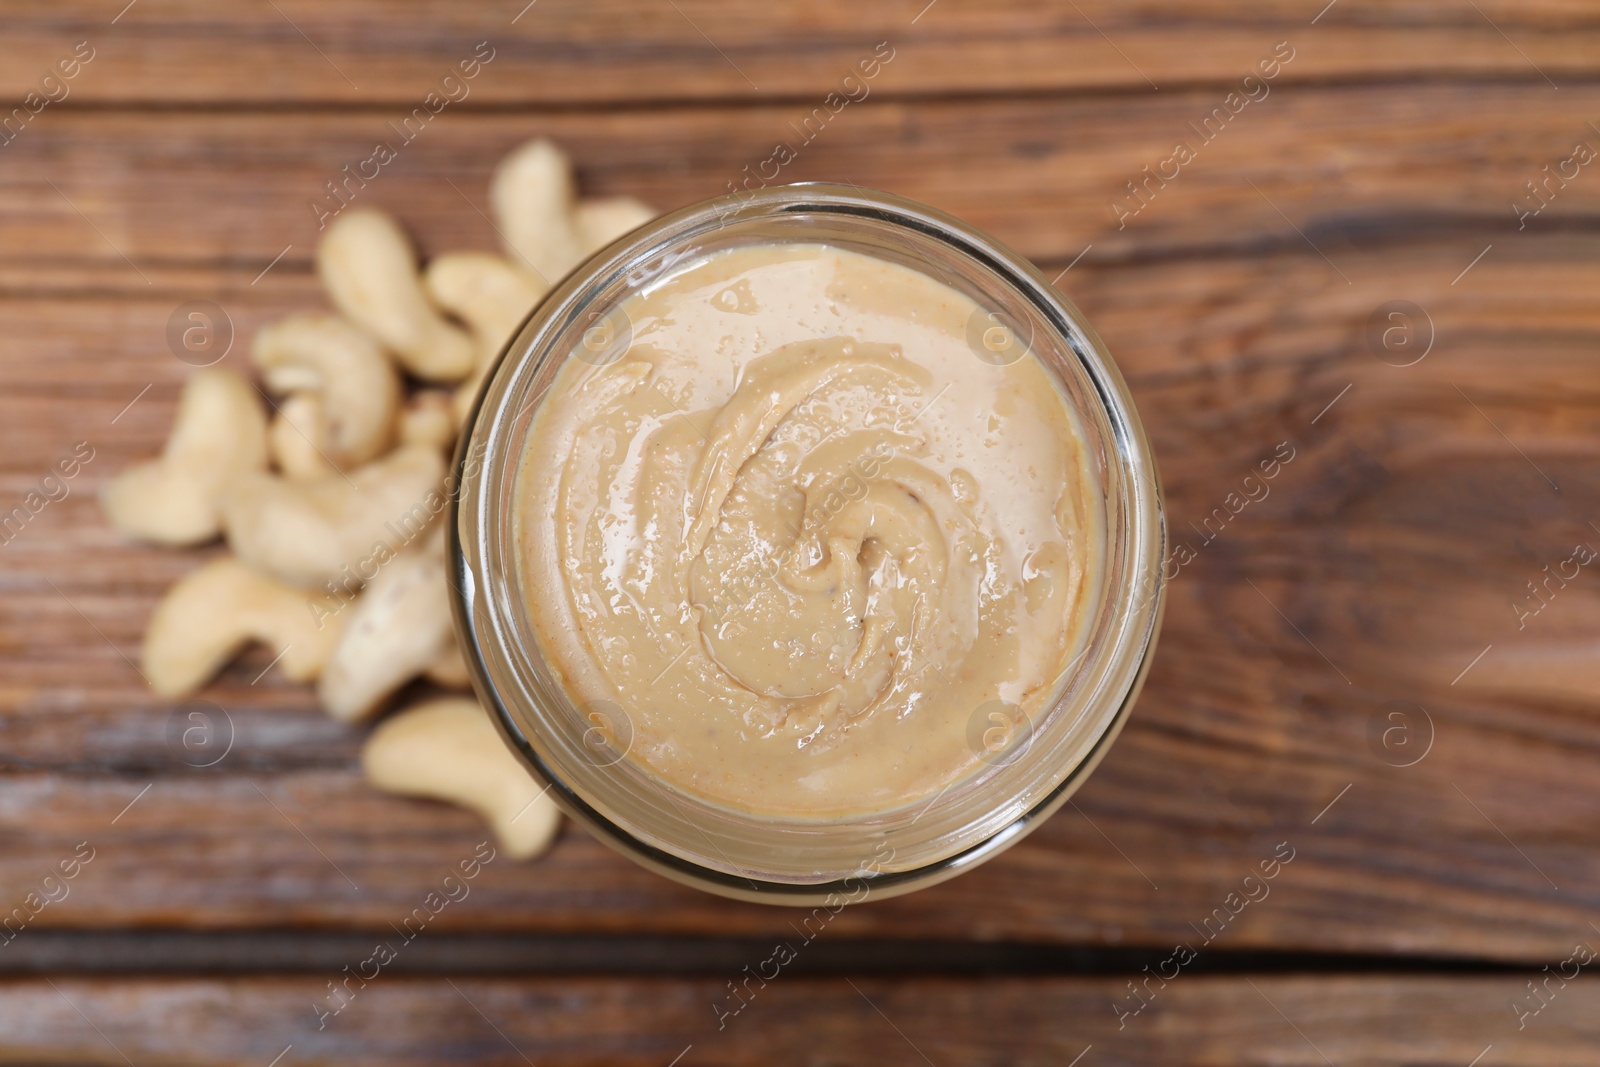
(801,534)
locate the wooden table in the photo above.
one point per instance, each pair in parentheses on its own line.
(1355,670)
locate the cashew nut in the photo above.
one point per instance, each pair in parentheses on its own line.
(399,626)
(211,614)
(370,271)
(532,194)
(337,509)
(309,531)
(492,296)
(219,434)
(602,221)
(291,438)
(448,750)
(357,385)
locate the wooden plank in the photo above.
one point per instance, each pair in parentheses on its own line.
(1339,168)
(367,54)
(1395,541)
(171,952)
(1351,1021)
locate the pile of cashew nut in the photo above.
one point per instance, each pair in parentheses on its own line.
(329,488)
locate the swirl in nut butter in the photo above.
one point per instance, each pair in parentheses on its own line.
(799,531)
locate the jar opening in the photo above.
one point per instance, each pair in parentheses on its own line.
(582,746)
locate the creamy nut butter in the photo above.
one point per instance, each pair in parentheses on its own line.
(804,532)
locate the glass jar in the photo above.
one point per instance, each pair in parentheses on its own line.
(581,753)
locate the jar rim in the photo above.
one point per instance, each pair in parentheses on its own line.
(484,462)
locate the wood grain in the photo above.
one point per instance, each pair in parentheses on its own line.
(1394,541)
(1279,1021)
(1331,170)
(367,54)
(1351,671)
